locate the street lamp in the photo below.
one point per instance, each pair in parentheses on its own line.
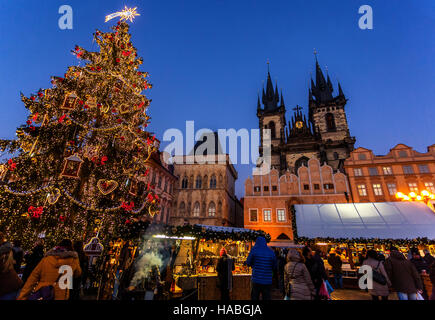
(424,196)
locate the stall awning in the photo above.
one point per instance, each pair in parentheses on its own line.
(383,220)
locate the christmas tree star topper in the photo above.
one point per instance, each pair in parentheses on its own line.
(126,14)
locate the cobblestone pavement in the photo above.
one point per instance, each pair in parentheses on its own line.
(340,294)
(355,294)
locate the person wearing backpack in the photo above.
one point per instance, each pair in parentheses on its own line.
(380,289)
(46,274)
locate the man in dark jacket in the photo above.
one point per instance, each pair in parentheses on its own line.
(428,257)
(335,261)
(263,263)
(18,256)
(419,263)
(316,268)
(403,275)
(33,259)
(224,269)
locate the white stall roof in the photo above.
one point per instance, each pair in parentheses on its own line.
(383,220)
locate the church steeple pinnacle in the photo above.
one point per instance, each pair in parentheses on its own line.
(270,96)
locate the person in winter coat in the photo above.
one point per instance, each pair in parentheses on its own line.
(33,259)
(428,257)
(262,260)
(79,281)
(224,269)
(336,263)
(10,283)
(297,279)
(419,263)
(47,273)
(316,268)
(432,279)
(379,290)
(403,275)
(18,256)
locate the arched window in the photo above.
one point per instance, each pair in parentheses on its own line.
(330,122)
(182,210)
(302,161)
(211,209)
(198,182)
(196,209)
(213,182)
(272,129)
(184,183)
(283,236)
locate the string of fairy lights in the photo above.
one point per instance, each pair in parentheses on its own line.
(79,164)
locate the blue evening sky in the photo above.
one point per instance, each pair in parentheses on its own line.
(207,60)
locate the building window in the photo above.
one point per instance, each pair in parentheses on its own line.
(159,185)
(213,182)
(274,188)
(362,156)
(198,182)
(253,215)
(267,216)
(266,188)
(423,168)
(373,171)
(403,154)
(413,187)
(377,189)
(316,186)
(408,170)
(429,187)
(184,183)
(335,156)
(330,121)
(196,209)
(387,170)
(280,215)
(272,130)
(306,187)
(357,172)
(257,189)
(328,186)
(212,209)
(392,189)
(182,209)
(362,191)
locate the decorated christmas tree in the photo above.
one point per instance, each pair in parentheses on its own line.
(79,164)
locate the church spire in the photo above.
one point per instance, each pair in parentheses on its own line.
(270,97)
(340,91)
(282,101)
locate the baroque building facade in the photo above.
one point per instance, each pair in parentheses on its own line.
(205,193)
(323,135)
(377,178)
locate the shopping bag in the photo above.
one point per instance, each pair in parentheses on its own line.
(323,292)
(329,287)
(419,296)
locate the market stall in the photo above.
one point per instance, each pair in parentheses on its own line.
(177,262)
(354,228)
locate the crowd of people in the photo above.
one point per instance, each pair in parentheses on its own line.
(40,275)
(300,274)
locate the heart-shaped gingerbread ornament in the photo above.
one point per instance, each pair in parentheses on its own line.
(106,186)
(53,196)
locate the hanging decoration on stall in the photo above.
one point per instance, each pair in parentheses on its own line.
(106,186)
